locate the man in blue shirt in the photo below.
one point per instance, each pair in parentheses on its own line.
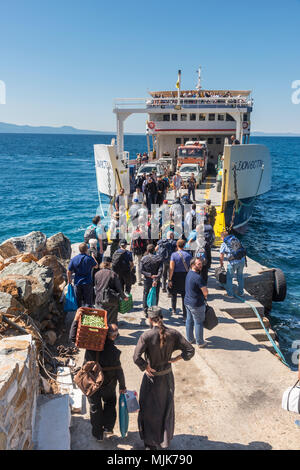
(82,266)
(195,295)
(235,266)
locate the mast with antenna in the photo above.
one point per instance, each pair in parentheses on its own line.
(198,86)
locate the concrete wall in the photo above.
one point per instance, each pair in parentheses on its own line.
(19,387)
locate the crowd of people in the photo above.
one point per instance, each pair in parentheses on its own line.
(206,96)
(175,260)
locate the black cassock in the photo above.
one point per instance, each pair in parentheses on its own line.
(156,417)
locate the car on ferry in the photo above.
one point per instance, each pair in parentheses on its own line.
(150,168)
(186,171)
(168,162)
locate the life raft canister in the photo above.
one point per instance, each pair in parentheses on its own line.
(151,125)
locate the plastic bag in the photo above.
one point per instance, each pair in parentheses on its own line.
(151,298)
(131,401)
(70,300)
(123,415)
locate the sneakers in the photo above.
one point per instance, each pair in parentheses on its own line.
(108,432)
(202,345)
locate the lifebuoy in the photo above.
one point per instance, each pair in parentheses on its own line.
(245,125)
(151,125)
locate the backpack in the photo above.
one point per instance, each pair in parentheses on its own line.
(138,246)
(119,264)
(201,253)
(209,236)
(89,234)
(236,249)
(165,250)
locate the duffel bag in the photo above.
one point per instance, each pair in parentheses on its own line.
(220,273)
(211,319)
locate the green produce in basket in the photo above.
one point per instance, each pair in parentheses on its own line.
(93,320)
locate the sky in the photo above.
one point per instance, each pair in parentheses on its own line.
(64,62)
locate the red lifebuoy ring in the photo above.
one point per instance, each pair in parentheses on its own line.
(151,125)
(245,125)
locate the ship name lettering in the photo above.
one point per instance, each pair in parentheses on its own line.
(249,165)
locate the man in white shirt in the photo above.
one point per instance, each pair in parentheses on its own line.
(177,180)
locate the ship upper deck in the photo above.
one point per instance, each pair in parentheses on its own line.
(192,99)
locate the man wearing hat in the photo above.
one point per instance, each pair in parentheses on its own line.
(211,212)
(122,264)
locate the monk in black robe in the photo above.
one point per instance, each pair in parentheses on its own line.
(156,417)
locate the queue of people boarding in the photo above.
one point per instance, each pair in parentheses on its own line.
(168,249)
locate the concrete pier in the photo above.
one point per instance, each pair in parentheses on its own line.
(229,395)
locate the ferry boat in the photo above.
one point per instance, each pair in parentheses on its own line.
(177,117)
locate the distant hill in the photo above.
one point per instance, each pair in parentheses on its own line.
(274,134)
(15,128)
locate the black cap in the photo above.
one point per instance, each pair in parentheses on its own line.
(107,259)
(123,242)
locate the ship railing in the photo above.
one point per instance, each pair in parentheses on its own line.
(186,102)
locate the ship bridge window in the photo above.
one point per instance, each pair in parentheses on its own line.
(210,140)
(186,139)
(178,140)
(221,117)
(192,117)
(202,117)
(245,117)
(166,117)
(174,117)
(211,117)
(183,117)
(218,140)
(229,117)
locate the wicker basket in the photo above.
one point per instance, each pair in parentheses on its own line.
(91,337)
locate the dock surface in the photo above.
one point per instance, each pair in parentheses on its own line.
(228,396)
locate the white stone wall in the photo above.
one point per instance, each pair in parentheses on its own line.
(19,388)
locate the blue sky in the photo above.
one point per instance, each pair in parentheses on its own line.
(64,62)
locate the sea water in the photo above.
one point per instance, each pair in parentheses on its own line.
(48,183)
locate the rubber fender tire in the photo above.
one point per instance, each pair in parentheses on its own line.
(279,291)
(219,185)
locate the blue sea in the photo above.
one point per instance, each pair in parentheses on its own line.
(48,183)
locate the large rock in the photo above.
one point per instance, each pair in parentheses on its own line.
(40,279)
(59,245)
(34,242)
(59,272)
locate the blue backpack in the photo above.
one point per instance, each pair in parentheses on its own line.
(165,250)
(236,249)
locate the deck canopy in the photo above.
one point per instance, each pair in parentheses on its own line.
(200,94)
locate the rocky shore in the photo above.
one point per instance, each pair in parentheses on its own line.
(32,280)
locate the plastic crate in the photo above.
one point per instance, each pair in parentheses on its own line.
(126,305)
(90,337)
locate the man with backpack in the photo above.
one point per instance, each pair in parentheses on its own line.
(165,248)
(82,266)
(151,268)
(236,257)
(96,232)
(138,248)
(122,264)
